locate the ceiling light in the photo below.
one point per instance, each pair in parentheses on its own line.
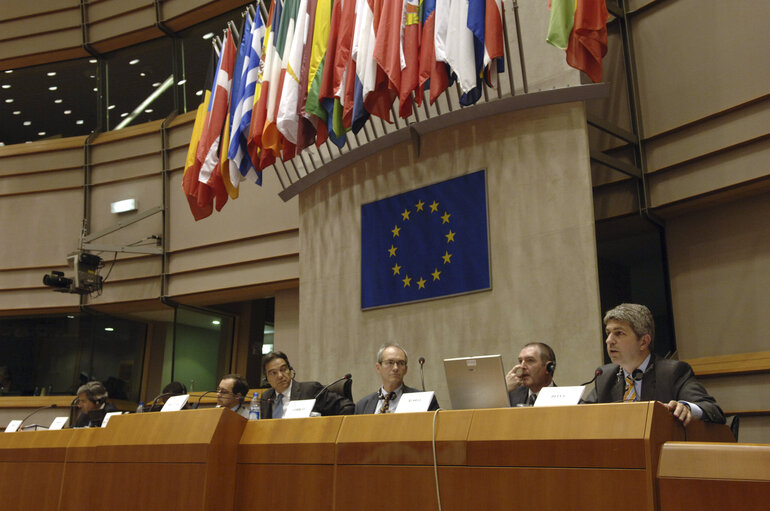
(67,112)
(17,112)
(92,76)
(70,317)
(133,62)
(110,107)
(53,87)
(41,133)
(51,73)
(181,82)
(156,84)
(92,61)
(123,206)
(9,100)
(27,123)
(142,74)
(79,121)
(199,93)
(124,114)
(57,101)
(8,71)
(109,329)
(95,89)
(205,36)
(6,86)
(148,110)
(216,322)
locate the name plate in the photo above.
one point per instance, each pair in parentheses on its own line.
(299,408)
(414,402)
(559,396)
(13,426)
(175,403)
(59,422)
(108,416)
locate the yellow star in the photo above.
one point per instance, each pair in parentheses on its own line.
(405,214)
(392,251)
(419,205)
(446,257)
(445,218)
(407,281)
(421,283)
(395,231)
(436,274)
(396,269)
(450,237)
(434,207)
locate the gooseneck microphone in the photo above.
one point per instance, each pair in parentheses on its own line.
(33,413)
(597,373)
(421,361)
(198,403)
(346,377)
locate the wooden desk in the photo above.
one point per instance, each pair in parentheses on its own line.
(714,476)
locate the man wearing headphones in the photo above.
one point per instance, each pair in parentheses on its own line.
(280,375)
(231,392)
(637,374)
(537,362)
(92,401)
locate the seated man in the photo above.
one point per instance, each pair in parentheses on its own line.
(537,362)
(392,366)
(636,374)
(280,376)
(231,392)
(92,401)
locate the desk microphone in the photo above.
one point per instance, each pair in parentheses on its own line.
(597,373)
(33,413)
(198,403)
(421,361)
(346,377)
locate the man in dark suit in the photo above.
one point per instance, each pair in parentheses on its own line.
(280,376)
(537,363)
(636,374)
(92,401)
(392,366)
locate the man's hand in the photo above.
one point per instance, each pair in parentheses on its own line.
(681,411)
(513,378)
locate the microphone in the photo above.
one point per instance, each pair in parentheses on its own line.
(597,373)
(33,413)
(198,403)
(346,377)
(421,361)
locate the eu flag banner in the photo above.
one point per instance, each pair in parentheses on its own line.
(427,243)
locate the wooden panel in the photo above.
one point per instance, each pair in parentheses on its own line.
(678,494)
(740,363)
(300,441)
(291,487)
(404,439)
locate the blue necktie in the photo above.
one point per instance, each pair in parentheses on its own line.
(278,412)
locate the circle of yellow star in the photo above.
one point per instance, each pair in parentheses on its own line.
(450,237)
(395,231)
(446,257)
(407,281)
(419,205)
(405,214)
(392,251)
(421,283)
(396,269)
(436,274)
(445,218)
(434,207)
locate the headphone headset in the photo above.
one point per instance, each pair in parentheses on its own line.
(550,367)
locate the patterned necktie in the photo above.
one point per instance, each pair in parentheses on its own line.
(630,393)
(278,412)
(531,400)
(386,404)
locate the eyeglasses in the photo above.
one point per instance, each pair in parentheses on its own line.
(391,363)
(224,391)
(284,369)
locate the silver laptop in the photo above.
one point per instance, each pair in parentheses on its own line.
(476,382)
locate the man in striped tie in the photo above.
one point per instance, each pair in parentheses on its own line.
(637,374)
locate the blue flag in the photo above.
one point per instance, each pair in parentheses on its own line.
(426,243)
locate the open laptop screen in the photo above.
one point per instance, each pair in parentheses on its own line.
(476,382)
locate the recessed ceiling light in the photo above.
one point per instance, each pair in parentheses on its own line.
(41,133)
(133,62)
(181,82)
(110,107)
(17,112)
(6,86)
(199,93)
(216,322)
(148,110)
(9,100)
(124,114)
(92,61)
(79,121)
(51,73)
(8,71)
(53,87)
(95,89)
(67,112)
(70,317)
(57,101)
(109,329)
(92,76)
(208,35)
(142,74)
(156,84)
(27,123)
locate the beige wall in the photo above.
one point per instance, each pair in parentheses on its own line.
(543,255)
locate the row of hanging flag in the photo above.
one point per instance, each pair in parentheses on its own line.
(316,69)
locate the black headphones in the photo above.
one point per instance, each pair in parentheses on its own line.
(550,367)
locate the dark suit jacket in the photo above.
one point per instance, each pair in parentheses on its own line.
(328,403)
(369,403)
(664,380)
(518,396)
(94,418)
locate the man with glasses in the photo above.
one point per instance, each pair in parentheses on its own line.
(231,392)
(392,367)
(284,389)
